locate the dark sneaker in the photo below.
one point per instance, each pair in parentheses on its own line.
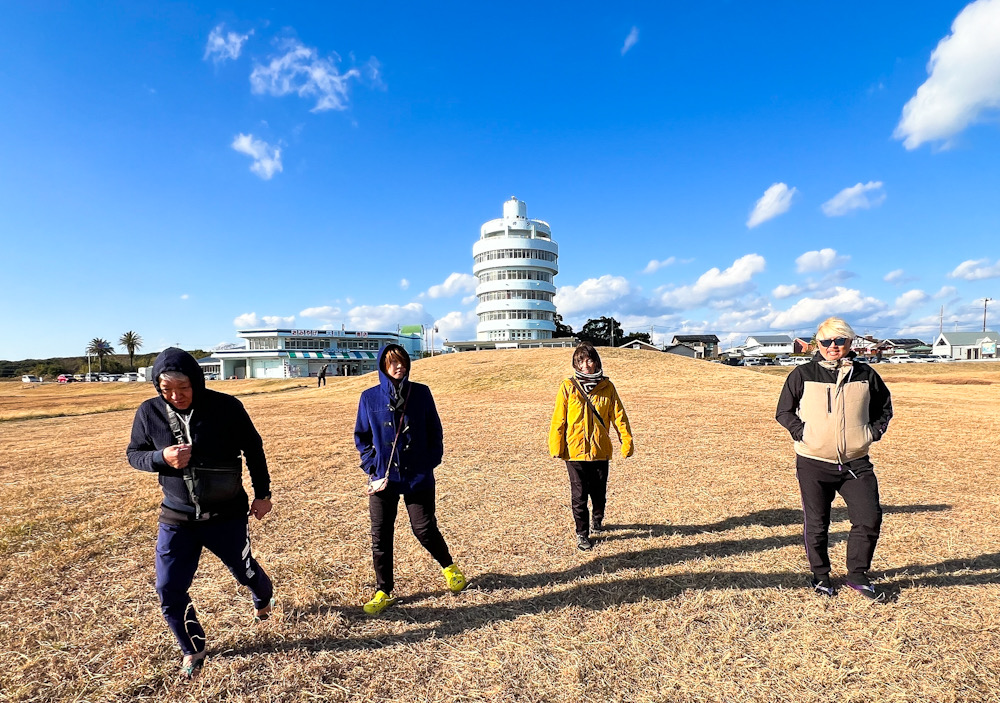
(862,585)
(583,543)
(598,525)
(823,586)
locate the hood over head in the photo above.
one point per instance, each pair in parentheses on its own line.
(384,379)
(174,359)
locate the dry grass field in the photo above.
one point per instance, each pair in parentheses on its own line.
(696,593)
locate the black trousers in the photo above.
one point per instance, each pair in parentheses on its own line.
(321,380)
(420,507)
(819,486)
(587,479)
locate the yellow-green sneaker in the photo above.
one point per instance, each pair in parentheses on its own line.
(379,602)
(455,578)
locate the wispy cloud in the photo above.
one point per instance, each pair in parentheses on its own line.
(404,283)
(325,313)
(299,69)
(250,319)
(455,284)
(653,266)
(457,325)
(976,270)
(775,201)
(185,296)
(862,196)
(223,45)
(266,158)
(385,318)
(893,276)
(963,82)
(631,40)
(822,260)
(786,291)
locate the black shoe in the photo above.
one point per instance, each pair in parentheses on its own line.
(823,586)
(598,525)
(861,584)
(583,543)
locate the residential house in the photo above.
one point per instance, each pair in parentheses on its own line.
(802,346)
(902,345)
(967,345)
(682,350)
(761,344)
(639,344)
(707,345)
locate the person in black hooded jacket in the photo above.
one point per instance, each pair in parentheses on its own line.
(193,438)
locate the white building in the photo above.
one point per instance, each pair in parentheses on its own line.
(768,344)
(967,345)
(515,261)
(290,353)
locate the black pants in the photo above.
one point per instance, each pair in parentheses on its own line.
(420,507)
(819,486)
(587,479)
(321,380)
(178,549)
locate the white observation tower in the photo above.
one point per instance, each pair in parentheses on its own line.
(515,262)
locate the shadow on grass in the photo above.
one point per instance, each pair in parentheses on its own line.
(774,517)
(439,621)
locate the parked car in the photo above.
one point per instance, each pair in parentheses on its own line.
(65,378)
(211,377)
(901,359)
(130,377)
(30,378)
(91,378)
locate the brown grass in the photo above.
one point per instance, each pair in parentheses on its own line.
(696,594)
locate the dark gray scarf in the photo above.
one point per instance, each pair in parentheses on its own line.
(589,381)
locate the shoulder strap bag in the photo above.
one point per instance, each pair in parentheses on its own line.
(590,405)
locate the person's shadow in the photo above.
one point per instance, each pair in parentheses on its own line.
(437,620)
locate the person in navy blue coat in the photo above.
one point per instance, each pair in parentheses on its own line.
(399,436)
(195,440)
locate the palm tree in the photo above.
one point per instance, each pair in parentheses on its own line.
(100,348)
(131,341)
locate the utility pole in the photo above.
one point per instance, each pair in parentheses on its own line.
(985,301)
(941,324)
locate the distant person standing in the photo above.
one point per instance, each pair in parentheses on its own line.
(193,438)
(321,378)
(587,406)
(399,436)
(834,408)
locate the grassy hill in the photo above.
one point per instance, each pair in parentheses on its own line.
(695,594)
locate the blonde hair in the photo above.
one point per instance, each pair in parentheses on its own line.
(833,327)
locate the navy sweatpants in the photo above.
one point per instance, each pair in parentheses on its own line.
(178,549)
(818,486)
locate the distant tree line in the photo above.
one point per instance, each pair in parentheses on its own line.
(600,332)
(106,360)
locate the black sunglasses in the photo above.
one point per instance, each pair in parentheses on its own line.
(839,341)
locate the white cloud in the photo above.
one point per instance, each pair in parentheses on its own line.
(784,291)
(893,276)
(404,283)
(324,313)
(822,260)
(909,300)
(453,285)
(386,317)
(840,301)
(631,40)
(593,295)
(469,299)
(715,283)
(862,196)
(222,46)
(653,266)
(266,158)
(775,201)
(457,325)
(185,296)
(249,320)
(963,81)
(976,270)
(300,70)
(946,292)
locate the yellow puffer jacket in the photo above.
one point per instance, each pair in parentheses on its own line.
(576,435)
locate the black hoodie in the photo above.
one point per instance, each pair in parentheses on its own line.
(221,431)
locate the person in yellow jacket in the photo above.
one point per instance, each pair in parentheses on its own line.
(587,407)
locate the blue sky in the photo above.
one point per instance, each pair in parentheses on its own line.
(185,170)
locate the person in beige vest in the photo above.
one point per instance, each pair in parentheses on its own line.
(834,408)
